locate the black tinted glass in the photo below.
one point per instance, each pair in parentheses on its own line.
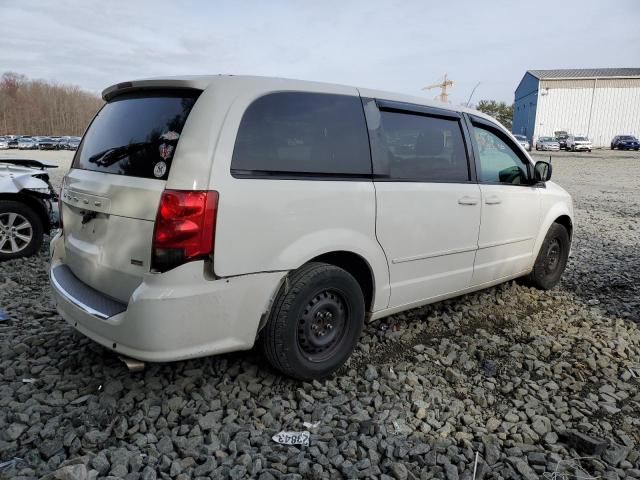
(420,148)
(303,133)
(136,135)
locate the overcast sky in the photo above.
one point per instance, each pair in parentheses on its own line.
(391,45)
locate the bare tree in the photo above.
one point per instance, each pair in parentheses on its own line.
(38,107)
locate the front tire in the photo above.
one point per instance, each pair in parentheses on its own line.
(315,322)
(552,259)
(21,230)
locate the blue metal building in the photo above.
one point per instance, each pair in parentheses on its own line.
(598,103)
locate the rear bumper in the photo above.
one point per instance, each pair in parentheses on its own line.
(171,316)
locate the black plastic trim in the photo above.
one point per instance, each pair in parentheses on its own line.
(389,105)
(282,175)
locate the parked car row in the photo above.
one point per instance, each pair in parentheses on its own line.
(575,143)
(27,142)
(564,141)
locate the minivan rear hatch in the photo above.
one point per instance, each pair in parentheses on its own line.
(110,196)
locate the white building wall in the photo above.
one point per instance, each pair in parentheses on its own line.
(611,108)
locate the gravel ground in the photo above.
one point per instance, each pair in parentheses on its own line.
(536,384)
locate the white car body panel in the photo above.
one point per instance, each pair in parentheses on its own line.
(14,178)
(112,252)
(573,144)
(509,227)
(177,315)
(429,236)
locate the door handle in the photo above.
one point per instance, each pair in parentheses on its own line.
(492,200)
(468,201)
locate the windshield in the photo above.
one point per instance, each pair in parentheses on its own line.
(581,139)
(627,137)
(547,139)
(136,134)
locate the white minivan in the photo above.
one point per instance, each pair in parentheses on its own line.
(203,215)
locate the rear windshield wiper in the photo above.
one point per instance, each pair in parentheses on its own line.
(108,157)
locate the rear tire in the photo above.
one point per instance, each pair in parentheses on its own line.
(551,260)
(21,230)
(315,322)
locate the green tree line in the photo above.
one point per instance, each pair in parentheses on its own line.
(498,110)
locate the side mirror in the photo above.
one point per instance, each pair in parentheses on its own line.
(543,171)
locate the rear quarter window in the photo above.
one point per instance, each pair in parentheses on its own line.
(302,135)
(136,135)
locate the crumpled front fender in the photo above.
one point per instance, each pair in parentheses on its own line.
(17,183)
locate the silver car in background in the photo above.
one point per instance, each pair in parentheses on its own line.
(27,143)
(524,141)
(547,143)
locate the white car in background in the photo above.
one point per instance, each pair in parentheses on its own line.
(577,143)
(28,206)
(202,215)
(524,141)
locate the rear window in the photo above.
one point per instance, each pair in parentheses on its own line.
(136,135)
(302,134)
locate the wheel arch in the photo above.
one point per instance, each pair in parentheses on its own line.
(560,213)
(565,221)
(358,267)
(33,203)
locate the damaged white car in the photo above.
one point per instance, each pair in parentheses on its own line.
(28,206)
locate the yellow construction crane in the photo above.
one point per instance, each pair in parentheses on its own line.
(444,95)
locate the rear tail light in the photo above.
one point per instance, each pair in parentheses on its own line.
(185,227)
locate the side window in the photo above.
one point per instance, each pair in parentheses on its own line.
(499,163)
(302,133)
(418,147)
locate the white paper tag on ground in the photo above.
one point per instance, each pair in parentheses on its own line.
(292,438)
